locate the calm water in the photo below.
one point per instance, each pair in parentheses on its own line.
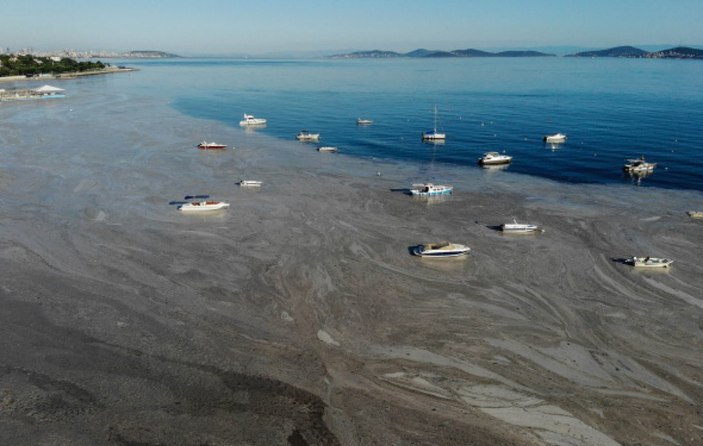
(611,109)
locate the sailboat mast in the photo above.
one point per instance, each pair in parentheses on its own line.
(435,118)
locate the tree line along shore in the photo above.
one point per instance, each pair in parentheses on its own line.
(17,67)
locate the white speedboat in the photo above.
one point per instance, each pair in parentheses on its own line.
(211,145)
(429,189)
(441,250)
(520,228)
(434,135)
(555,138)
(304,135)
(251,120)
(362,121)
(201,206)
(695,214)
(250,183)
(327,149)
(494,158)
(650,262)
(639,165)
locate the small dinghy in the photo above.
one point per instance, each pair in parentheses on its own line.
(250,183)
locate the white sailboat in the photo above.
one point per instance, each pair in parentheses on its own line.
(434,135)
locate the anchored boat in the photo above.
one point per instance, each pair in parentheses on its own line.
(441,250)
(251,120)
(494,158)
(650,262)
(304,135)
(201,206)
(555,138)
(429,189)
(520,228)
(211,145)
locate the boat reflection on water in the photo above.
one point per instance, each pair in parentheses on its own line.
(492,168)
(637,177)
(432,199)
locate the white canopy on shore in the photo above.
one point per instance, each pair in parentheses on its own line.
(48,89)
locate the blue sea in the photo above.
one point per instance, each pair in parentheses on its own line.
(611,109)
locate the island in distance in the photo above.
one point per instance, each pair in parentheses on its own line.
(421,52)
(680,52)
(619,51)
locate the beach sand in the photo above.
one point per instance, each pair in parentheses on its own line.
(298,315)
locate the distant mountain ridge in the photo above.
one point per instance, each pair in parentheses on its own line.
(149,54)
(680,52)
(421,52)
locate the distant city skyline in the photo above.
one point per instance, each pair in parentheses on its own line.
(237,27)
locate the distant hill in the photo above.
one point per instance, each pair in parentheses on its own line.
(680,52)
(632,52)
(148,54)
(373,54)
(422,53)
(618,51)
(470,52)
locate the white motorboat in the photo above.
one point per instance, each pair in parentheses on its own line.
(441,250)
(251,120)
(429,189)
(362,121)
(555,138)
(520,228)
(639,165)
(695,214)
(650,262)
(201,206)
(434,135)
(250,183)
(304,135)
(327,149)
(211,145)
(494,158)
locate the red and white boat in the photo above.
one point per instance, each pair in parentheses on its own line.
(211,145)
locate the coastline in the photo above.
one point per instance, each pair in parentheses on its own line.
(300,312)
(63,76)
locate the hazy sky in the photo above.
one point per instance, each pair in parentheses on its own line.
(260,26)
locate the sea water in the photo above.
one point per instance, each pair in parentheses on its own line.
(610,109)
